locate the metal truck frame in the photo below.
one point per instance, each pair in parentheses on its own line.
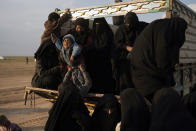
(186,70)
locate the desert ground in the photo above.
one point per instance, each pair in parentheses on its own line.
(15,74)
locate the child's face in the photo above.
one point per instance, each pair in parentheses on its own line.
(79,28)
(67,43)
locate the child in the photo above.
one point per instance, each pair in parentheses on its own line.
(69,48)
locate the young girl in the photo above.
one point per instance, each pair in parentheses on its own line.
(69,48)
(76,71)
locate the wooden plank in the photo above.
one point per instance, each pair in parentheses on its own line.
(118,9)
(187,56)
(191,39)
(185,67)
(188,45)
(29,88)
(90,95)
(185,60)
(180,9)
(191,21)
(188,50)
(191,30)
(185,53)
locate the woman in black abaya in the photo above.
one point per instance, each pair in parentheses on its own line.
(69,112)
(125,37)
(85,39)
(102,76)
(135,115)
(48,72)
(106,114)
(155,54)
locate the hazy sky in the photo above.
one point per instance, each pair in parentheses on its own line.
(21,22)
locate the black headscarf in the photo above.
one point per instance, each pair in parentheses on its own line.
(106,114)
(68,111)
(131,19)
(104,34)
(126,35)
(169,114)
(43,48)
(81,37)
(82,22)
(155,53)
(135,115)
(47,54)
(102,26)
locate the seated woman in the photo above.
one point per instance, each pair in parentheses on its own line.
(69,112)
(48,72)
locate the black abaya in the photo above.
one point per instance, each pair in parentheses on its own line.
(155,54)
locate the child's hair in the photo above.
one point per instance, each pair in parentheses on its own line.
(53,16)
(4,121)
(69,36)
(72,41)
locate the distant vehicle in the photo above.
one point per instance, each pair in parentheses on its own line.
(2,57)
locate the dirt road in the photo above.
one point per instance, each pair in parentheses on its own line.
(14,76)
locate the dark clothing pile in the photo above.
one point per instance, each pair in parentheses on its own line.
(106,114)
(155,54)
(102,71)
(69,112)
(48,73)
(125,36)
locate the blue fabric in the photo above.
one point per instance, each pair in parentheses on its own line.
(74,47)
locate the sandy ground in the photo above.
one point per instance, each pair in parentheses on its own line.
(14,76)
